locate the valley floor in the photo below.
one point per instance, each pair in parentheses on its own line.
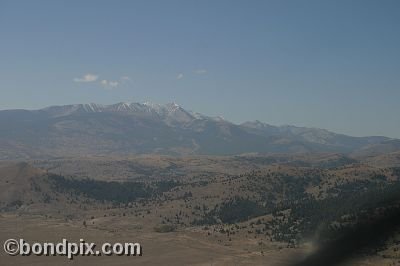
(185,247)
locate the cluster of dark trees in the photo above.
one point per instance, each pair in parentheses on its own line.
(119,192)
(299,215)
(354,203)
(235,210)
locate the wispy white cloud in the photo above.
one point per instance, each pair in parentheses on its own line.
(125,80)
(112,84)
(106,83)
(180,76)
(200,71)
(87,78)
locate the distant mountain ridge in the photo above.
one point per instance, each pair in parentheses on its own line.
(138,128)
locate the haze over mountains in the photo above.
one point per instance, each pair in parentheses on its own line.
(143,128)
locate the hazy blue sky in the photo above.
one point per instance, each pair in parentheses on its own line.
(328,64)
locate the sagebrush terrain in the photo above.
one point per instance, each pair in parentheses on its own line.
(201,210)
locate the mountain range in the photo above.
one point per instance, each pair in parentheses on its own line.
(149,128)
